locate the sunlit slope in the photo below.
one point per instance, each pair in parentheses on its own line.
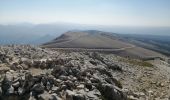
(100,41)
(88,40)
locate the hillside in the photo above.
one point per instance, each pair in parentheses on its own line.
(87,39)
(93,40)
(32,73)
(159,43)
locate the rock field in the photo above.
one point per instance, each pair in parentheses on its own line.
(32,73)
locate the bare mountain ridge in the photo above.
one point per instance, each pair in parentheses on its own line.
(100,41)
(90,39)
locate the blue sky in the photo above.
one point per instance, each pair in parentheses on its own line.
(97,12)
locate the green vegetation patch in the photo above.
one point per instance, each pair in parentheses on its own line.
(137,62)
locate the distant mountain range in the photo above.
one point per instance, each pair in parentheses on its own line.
(27,33)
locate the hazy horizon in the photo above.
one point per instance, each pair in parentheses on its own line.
(39,21)
(128,13)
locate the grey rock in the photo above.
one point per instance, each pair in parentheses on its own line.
(111,92)
(79,97)
(1,91)
(55,89)
(70,95)
(46,96)
(114,67)
(89,86)
(31,97)
(93,94)
(16,84)
(21,91)
(7,82)
(24,66)
(4,69)
(63,78)
(81,86)
(38,88)
(10,90)
(36,63)
(93,62)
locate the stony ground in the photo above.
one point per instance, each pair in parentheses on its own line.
(31,73)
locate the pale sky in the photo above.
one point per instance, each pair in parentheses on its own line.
(95,12)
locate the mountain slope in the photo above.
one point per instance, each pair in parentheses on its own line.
(100,41)
(87,39)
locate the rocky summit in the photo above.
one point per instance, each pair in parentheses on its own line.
(32,73)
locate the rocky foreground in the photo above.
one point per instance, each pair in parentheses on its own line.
(31,73)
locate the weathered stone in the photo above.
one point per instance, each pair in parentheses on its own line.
(114,81)
(4,69)
(46,96)
(79,97)
(94,95)
(63,78)
(89,86)
(58,70)
(1,91)
(36,63)
(114,67)
(24,66)
(21,91)
(16,84)
(14,65)
(132,98)
(70,95)
(7,82)
(27,62)
(38,88)
(110,92)
(55,89)
(31,97)
(96,55)
(93,62)
(10,91)
(81,86)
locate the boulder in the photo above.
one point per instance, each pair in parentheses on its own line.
(21,91)
(70,95)
(58,70)
(79,97)
(89,86)
(3,57)
(110,92)
(38,88)
(54,89)
(26,61)
(10,90)
(36,63)
(24,66)
(114,67)
(16,84)
(97,56)
(114,81)
(15,66)
(7,82)
(1,92)
(93,62)
(81,86)
(47,96)
(4,69)
(28,82)
(93,95)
